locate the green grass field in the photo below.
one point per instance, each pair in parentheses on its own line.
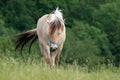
(11,69)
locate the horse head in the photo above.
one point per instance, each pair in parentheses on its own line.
(56,23)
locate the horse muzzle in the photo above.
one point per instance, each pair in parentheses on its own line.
(53,49)
(53,46)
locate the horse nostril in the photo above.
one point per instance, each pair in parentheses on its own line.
(53,49)
(56,48)
(50,48)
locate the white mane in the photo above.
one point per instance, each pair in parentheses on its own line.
(56,15)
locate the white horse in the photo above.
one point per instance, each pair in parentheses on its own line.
(51,34)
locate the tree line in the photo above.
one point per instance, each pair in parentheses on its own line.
(93,28)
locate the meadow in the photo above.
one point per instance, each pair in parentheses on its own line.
(16,69)
(92,37)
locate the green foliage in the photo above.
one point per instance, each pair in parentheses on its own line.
(92,26)
(107,18)
(18,14)
(86,44)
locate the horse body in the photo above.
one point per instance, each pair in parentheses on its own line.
(51,34)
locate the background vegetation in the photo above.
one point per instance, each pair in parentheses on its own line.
(93,29)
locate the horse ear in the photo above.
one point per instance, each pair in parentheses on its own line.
(47,20)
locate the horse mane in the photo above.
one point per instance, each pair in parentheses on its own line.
(56,25)
(56,21)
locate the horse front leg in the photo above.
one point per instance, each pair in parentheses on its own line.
(53,56)
(57,58)
(46,53)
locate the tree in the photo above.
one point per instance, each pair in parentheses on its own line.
(85,42)
(18,14)
(107,18)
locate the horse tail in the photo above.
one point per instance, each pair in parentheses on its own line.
(26,37)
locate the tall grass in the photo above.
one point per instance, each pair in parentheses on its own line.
(16,69)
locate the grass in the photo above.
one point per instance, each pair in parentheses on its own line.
(13,69)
